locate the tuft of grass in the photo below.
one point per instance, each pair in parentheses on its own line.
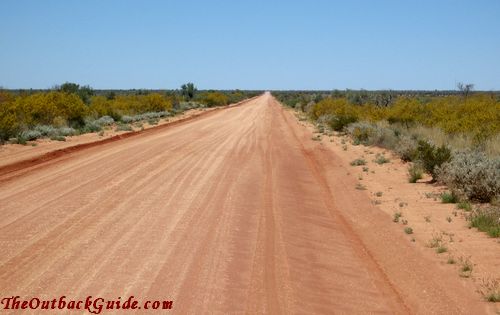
(316,138)
(404,221)
(408,230)
(490,289)
(441,249)
(365,169)
(415,172)
(381,159)
(379,194)
(396,216)
(448,197)
(486,220)
(427,218)
(448,219)
(360,186)
(436,241)
(464,205)
(451,260)
(358,162)
(466,267)
(344,147)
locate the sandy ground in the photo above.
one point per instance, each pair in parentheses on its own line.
(12,153)
(238,211)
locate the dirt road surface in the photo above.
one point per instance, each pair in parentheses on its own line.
(235,212)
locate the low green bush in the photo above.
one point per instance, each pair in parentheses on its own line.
(415,173)
(432,157)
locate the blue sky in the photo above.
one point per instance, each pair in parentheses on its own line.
(403,44)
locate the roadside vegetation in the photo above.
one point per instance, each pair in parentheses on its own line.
(453,136)
(71,109)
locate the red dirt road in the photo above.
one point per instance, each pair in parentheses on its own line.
(235,212)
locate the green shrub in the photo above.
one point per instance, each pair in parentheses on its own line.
(30,135)
(214,99)
(432,157)
(408,230)
(447,197)
(464,205)
(358,162)
(415,173)
(339,122)
(381,159)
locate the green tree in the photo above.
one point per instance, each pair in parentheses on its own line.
(188,90)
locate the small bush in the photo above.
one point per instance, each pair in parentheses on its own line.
(447,197)
(466,267)
(123,127)
(105,121)
(381,159)
(46,131)
(339,122)
(408,230)
(29,135)
(66,131)
(358,162)
(153,121)
(396,217)
(407,149)
(91,126)
(360,186)
(464,205)
(415,173)
(432,157)
(490,289)
(441,249)
(473,175)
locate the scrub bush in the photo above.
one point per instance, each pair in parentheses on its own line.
(473,175)
(432,157)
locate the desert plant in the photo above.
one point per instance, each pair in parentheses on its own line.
(123,127)
(464,205)
(466,267)
(432,157)
(415,173)
(449,197)
(408,230)
(360,186)
(486,220)
(473,175)
(490,289)
(381,159)
(407,149)
(29,135)
(358,162)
